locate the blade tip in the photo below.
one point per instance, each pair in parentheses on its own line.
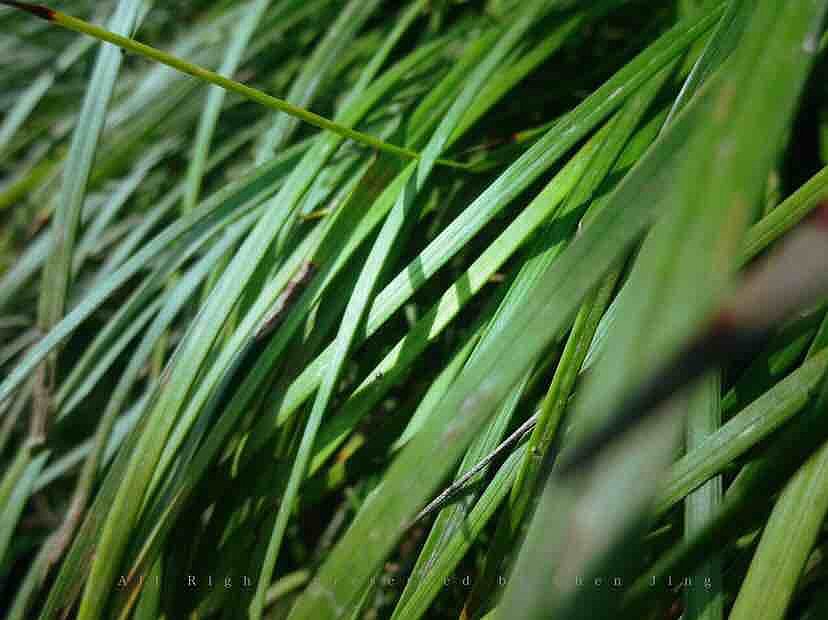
(35,9)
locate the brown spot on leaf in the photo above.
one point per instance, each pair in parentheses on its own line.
(724,323)
(820,216)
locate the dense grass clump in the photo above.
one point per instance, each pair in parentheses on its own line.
(320,309)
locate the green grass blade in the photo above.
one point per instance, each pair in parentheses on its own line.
(482,385)
(758,480)
(742,432)
(454,547)
(215,99)
(721,44)
(705,601)
(758,238)
(663,312)
(15,490)
(195,348)
(506,188)
(314,72)
(613,189)
(615,139)
(67,218)
(24,105)
(211,77)
(399,217)
(236,196)
(780,557)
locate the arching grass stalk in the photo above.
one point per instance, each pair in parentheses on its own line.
(253,94)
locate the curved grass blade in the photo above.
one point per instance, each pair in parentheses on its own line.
(235,197)
(67,217)
(758,480)
(580,336)
(95,454)
(255,435)
(27,102)
(320,247)
(757,239)
(721,44)
(269,101)
(440,315)
(36,255)
(398,218)
(196,346)
(15,490)
(369,74)
(780,557)
(454,548)
(735,177)
(482,385)
(545,153)
(748,428)
(613,140)
(217,348)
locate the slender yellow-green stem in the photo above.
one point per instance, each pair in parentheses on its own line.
(269,101)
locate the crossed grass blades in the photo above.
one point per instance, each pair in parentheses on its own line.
(379,346)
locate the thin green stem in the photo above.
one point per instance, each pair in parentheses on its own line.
(253,94)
